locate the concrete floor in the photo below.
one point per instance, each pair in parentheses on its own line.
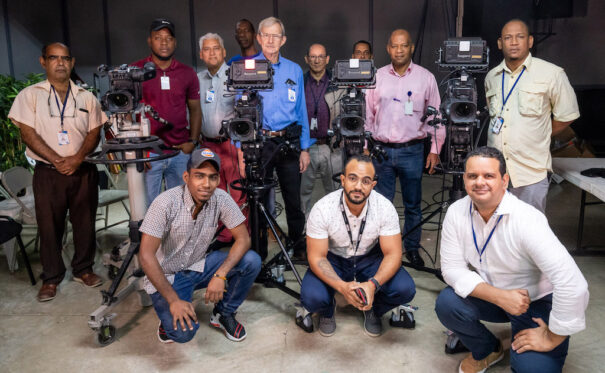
(54,336)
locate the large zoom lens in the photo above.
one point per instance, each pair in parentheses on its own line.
(351,125)
(118,100)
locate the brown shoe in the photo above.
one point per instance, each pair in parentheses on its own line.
(90,280)
(470,365)
(47,292)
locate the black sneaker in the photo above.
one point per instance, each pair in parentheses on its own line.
(372,324)
(162,335)
(232,328)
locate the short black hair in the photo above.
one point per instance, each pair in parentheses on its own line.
(488,152)
(46,46)
(248,22)
(363,42)
(359,158)
(517,20)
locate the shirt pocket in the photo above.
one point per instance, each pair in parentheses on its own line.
(531,99)
(493,101)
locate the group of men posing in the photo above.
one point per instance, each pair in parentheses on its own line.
(510,268)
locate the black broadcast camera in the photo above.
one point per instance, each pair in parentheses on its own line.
(125,91)
(248,77)
(355,75)
(461,57)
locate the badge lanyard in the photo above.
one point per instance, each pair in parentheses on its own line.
(475,237)
(361,227)
(62,111)
(504,100)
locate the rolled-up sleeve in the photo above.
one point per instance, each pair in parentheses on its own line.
(570,295)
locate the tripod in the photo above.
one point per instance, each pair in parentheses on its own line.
(255,186)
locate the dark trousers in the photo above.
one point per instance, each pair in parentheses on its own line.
(463,316)
(288,174)
(317,296)
(55,194)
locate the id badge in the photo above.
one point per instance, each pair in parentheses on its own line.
(496,124)
(165,82)
(313,124)
(408,108)
(291,95)
(209,96)
(63,138)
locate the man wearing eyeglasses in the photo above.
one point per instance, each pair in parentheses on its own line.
(362,50)
(60,123)
(173,93)
(284,114)
(354,242)
(322,108)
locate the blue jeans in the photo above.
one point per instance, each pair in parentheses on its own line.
(239,281)
(463,316)
(170,169)
(317,296)
(407,163)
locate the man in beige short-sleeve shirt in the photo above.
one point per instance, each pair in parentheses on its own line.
(60,123)
(541,104)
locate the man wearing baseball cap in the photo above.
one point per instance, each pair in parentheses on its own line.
(176,232)
(175,94)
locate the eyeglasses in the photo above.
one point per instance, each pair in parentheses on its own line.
(317,58)
(270,36)
(55,111)
(365,181)
(53,58)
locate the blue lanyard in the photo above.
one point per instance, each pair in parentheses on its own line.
(475,237)
(62,111)
(511,90)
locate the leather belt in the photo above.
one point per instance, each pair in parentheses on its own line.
(45,165)
(217,140)
(322,141)
(399,145)
(273,133)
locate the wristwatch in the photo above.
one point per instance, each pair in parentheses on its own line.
(305,150)
(195,142)
(376,283)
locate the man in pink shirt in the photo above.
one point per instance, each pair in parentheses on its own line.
(394,109)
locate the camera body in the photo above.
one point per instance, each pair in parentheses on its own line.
(125,87)
(248,118)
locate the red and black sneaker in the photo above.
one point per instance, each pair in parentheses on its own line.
(162,335)
(232,328)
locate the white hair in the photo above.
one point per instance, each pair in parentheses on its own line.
(209,36)
(270,21)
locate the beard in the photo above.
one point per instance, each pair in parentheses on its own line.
(354,201)
(162,58)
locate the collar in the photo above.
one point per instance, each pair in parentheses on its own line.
(407,72)
(323,79)
(526,63)
(74,88)
(218,72)
(261,56)
(170,68)
(505,207)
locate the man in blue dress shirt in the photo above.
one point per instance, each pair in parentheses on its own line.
(284,109)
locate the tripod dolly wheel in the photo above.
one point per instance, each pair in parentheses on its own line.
(106,335)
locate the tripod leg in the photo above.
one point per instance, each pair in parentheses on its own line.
(273,224)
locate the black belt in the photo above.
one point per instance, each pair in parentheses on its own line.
(45,165)
(322,141)
(217,140)
(399,145)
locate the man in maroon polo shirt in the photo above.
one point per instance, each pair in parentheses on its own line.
(173,91)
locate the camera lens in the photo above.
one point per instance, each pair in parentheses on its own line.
(464,110)
(119,100)
(241,127)
(352,124)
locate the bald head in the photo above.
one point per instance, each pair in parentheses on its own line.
(400,49)
(316,49)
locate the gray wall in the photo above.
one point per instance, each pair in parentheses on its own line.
(337,24)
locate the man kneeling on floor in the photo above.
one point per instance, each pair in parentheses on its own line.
(354,242)
(504,264)
(177,230)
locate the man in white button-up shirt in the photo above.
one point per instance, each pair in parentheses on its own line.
(354,242)
(503,263)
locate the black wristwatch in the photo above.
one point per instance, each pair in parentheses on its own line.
(195,142)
